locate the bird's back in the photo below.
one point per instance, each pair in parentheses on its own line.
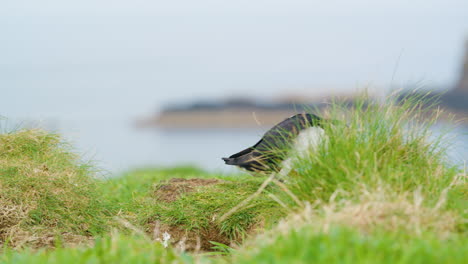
(282,135)
(266,154)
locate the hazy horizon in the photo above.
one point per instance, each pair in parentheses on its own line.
(123,59)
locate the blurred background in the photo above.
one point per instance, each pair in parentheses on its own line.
(162,83)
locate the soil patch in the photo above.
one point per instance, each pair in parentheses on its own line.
(169,191)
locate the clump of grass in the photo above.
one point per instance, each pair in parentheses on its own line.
(376,226)
(380,180)
(376,211)
(45,191)
(200,210)
(378,145)
(192,212)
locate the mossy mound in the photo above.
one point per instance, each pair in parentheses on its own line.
(194,215)
(188,206)
(45,191)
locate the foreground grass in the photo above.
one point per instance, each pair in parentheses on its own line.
(112,249)
(341,245)
(304,245)
(381,190)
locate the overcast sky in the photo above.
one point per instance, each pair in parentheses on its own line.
(128,58)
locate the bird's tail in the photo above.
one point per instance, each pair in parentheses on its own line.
(228,161)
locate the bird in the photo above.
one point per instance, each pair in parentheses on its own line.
(279,147)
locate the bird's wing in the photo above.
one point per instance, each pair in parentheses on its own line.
(281,135)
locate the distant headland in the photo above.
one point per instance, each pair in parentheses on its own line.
(247,112)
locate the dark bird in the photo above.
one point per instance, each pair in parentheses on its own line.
(275,152)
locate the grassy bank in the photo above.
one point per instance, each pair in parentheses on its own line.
(48,196)
(380,190)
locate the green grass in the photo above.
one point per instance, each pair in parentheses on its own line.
(45,191)
(200,210)
(197,211)
(133,191)
(380,190)
(341,245)
(380,145)
(47,194)
(111,249)
(304,245)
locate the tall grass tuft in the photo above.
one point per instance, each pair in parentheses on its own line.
(380,189)
(385,144)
